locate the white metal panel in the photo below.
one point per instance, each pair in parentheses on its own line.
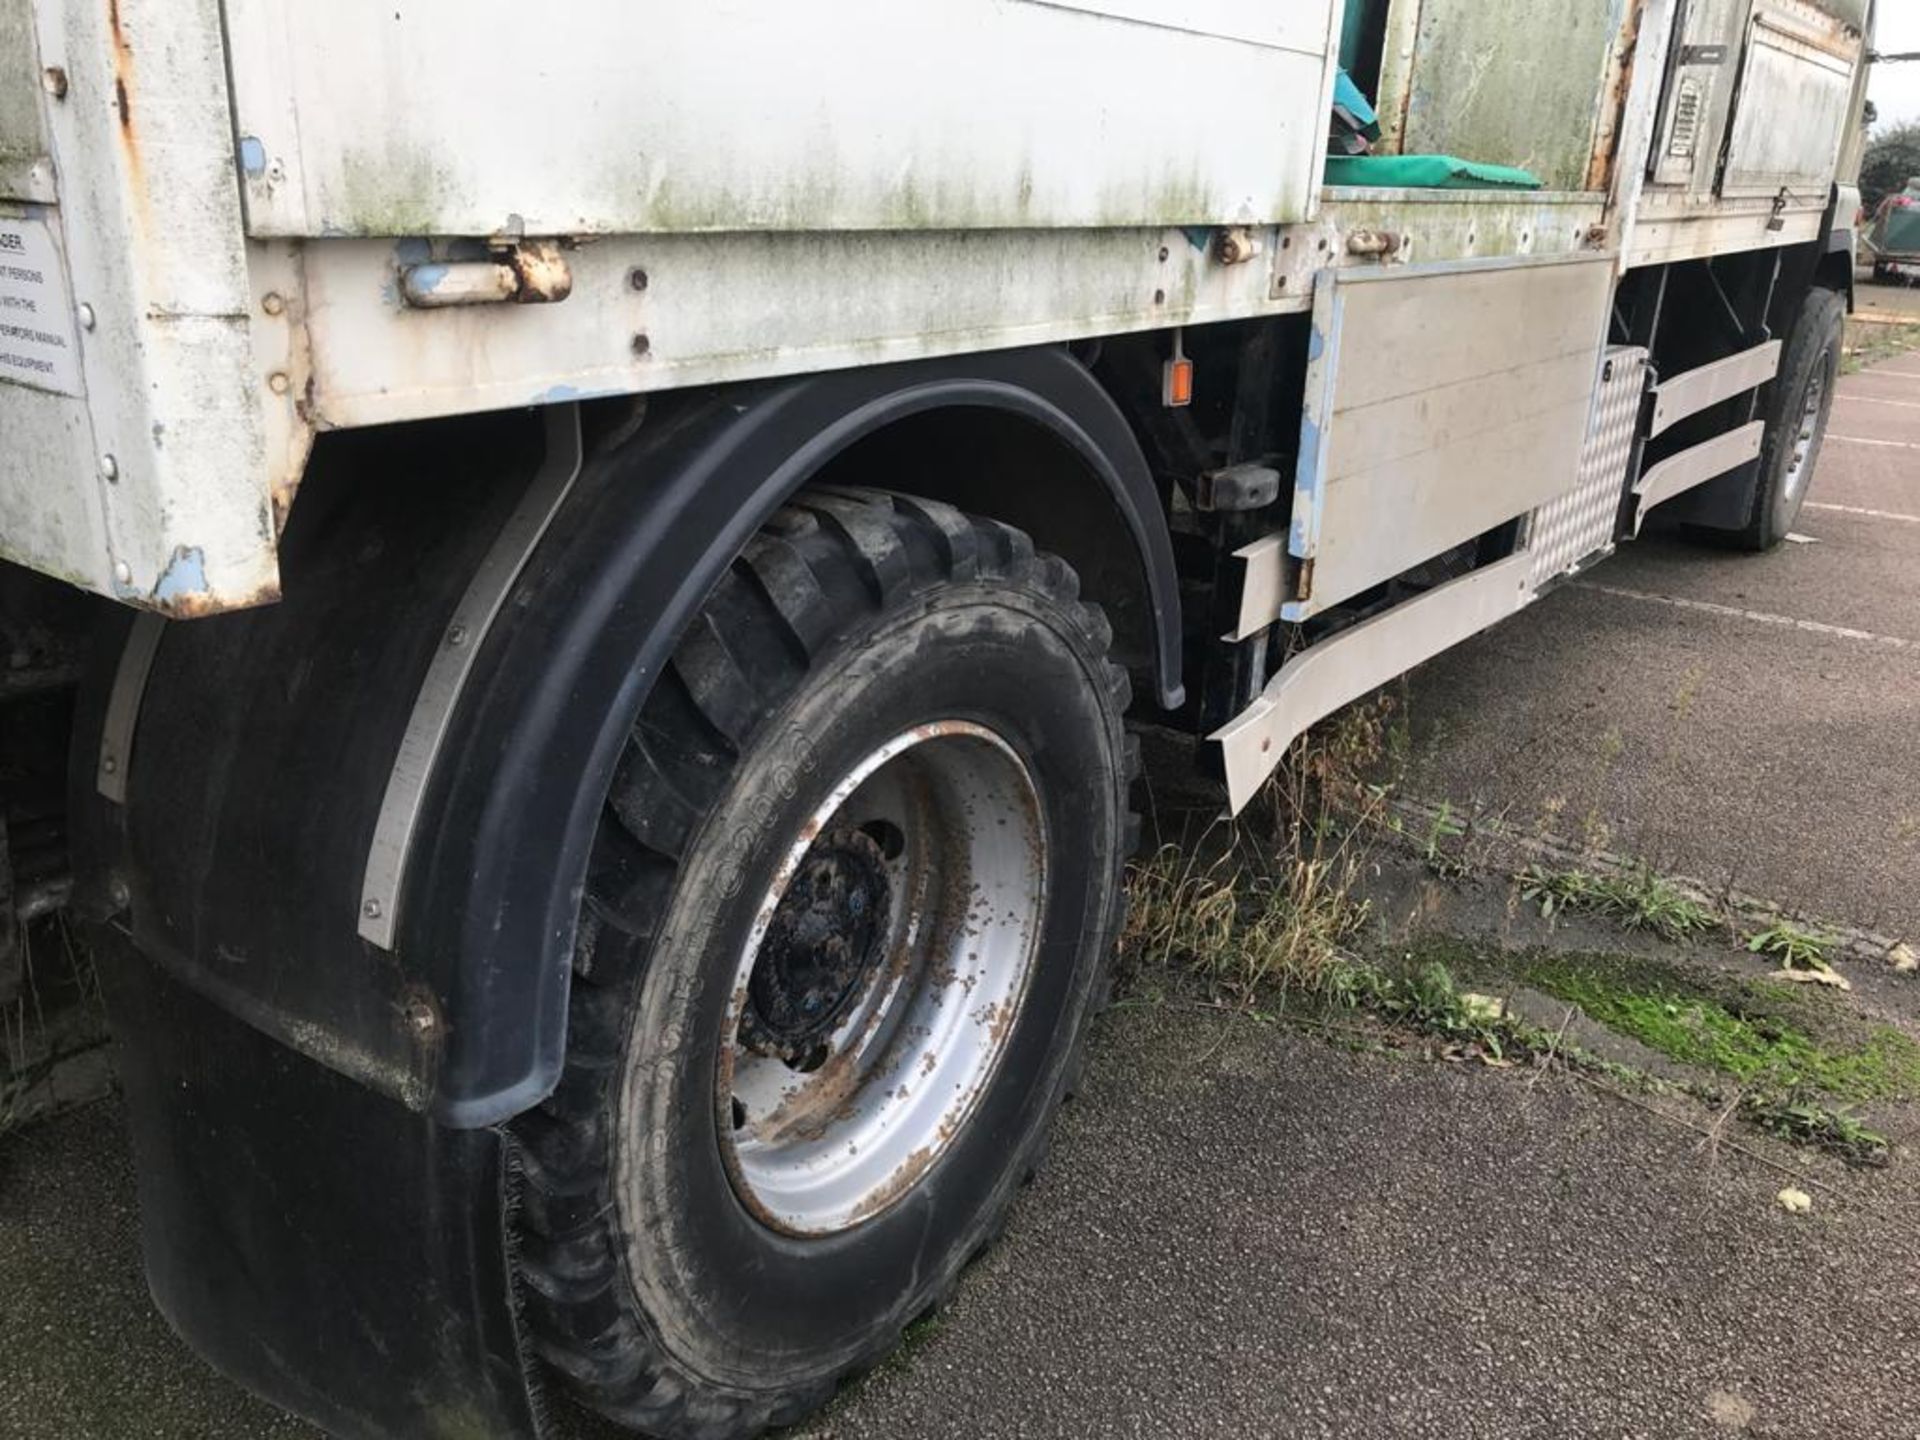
(630,116)
(51,517)
(1695,466)
(1342,668)
(167,505)
(1691,391)
(1671,225)
(1259,22)
(1795,100)
(744,306)
(1440,402)
(1700,73)
(26,167)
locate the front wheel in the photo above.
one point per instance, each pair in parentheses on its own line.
(1802,399)
(844,926)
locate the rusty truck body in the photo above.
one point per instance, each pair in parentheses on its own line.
(596,571)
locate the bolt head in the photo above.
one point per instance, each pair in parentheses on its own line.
(370,909)
(86,315)
(109,468)
(278,383)
(642,346)
(118,893)
(54,78)
(123,572)
(272,303)
(637,278)
(109,764)
(456,635)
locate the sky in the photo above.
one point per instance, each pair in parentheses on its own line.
(1895,89)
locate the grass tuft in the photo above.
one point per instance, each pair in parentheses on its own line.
(1269,914)
(1638,900)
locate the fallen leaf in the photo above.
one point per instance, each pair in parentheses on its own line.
(1483,1007)
(1795,1202)
(1821,976)
(1902,958)
(1727,1409)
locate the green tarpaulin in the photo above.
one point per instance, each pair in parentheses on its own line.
(1425,172)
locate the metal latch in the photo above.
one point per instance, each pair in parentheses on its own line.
(525,272)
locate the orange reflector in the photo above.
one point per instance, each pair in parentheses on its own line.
(1176,383)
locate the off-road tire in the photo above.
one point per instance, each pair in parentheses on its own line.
(1811,356)
(649,1290)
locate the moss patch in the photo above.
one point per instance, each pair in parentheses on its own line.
(1757,1033)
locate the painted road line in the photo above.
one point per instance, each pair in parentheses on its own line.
(1859,510)
(1884,444)
(1759,617)
(1876,400)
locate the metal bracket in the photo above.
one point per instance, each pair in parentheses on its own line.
(385,877)
(1343,667)
(1695,466)
(123,705)
(1691,391)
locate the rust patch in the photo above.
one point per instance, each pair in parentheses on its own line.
(1613,100)
(896,1184)
(123,92)
(194,604)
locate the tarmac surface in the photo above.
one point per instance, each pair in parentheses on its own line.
(1247,1231)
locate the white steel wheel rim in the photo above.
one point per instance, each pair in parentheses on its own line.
(1800,466)
(843,1079)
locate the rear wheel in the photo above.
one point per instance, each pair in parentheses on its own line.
(845,923)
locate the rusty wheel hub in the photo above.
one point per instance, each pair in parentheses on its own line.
(823,946)
(882,979)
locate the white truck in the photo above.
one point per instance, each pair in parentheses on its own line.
(639,532)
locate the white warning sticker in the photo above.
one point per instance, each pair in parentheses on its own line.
(37,343)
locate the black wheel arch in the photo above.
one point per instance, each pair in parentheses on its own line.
(651,525)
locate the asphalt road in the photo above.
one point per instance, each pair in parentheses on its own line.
(1247,1232)
(1743,719)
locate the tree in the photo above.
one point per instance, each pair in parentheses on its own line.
(1893,158)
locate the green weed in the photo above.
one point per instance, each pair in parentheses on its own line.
(1806,1121)
(1794,948)
(1639,899)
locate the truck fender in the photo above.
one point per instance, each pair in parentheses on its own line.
(244,851)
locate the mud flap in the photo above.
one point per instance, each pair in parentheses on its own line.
(320,1244)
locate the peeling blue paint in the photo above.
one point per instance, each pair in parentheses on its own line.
(1316,344)
(425,279)
(561,394)
(253,155)
(186,574)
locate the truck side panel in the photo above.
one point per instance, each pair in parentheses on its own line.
(376,119)
(167,436)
